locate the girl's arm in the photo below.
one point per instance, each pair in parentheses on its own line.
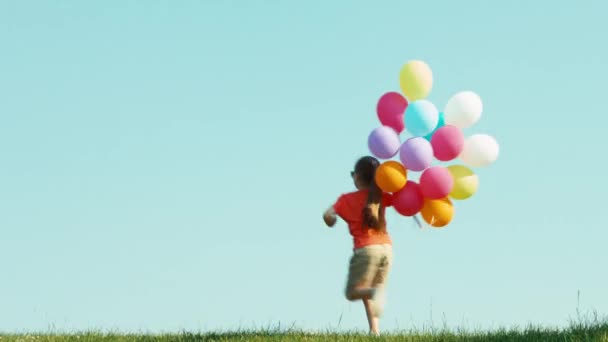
(330,217)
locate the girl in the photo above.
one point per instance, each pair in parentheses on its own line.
(363,211)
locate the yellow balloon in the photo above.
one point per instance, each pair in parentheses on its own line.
(391,176)
(416,79)
(437,213)
(465,182)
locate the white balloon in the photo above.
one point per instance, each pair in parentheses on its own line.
(463,109)
(479,150)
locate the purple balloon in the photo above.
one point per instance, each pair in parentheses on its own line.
(416,154)
(383,142)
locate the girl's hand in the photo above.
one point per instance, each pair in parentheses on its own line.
(330,217)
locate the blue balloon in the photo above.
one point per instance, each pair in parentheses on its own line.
(421,118)
(440,124)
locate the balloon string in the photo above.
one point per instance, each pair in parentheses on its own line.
(418,222)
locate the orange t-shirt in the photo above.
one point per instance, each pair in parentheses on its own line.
(350,208)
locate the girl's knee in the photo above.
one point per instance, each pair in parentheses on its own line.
(349,293)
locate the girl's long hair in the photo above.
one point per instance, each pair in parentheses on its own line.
(373,212)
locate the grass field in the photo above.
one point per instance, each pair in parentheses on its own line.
(597,331)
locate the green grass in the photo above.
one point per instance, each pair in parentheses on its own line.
(588,327)
(596,331)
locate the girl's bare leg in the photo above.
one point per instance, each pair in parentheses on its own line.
(373,321)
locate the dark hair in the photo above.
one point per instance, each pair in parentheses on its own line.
(365,169)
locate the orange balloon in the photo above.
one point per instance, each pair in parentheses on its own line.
(391,176)
(437,213)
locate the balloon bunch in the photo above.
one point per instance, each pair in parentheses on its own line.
(434,135)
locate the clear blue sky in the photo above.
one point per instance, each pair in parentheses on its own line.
(164,164)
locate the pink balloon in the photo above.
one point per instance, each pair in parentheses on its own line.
(409,200)
(448,142)
(436,182)
(390,109)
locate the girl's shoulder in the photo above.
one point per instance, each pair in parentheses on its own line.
(387,199)
(353,197)
(355,194)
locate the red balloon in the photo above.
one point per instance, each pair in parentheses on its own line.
(448,142)
(436,182)
(409,200)
(390,109)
